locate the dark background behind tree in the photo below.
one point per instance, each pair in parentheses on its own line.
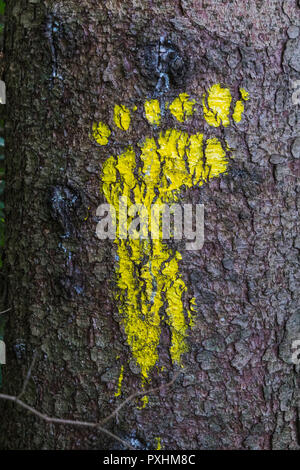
(66,64)
(2,320)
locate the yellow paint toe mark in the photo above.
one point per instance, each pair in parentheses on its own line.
(152,111)
(218,101)
(182,107)
(101,133)
(122,117)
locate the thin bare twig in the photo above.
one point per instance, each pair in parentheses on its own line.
(69,422)
(28,375)
(138,394)
(99,425)
(5,311)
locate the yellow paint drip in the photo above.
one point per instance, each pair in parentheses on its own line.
(87,216)
(101,133)
(238,111)
(158,443)
(152,111)
(244,93)
(193,304)
(145,401)
(192,311)
(121,376)
(122,117)
(182,107)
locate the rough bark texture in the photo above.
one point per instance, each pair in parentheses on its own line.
(67,63)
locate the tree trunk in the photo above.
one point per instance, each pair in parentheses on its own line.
(67,64)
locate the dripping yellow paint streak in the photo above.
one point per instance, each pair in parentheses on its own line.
(121,376)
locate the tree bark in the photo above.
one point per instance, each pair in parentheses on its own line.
(67,64)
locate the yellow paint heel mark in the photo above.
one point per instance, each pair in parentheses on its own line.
(182,107)
(121,376)
(122,117)
(152,111)
(101,133)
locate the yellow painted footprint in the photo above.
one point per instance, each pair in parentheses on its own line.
(150,287)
